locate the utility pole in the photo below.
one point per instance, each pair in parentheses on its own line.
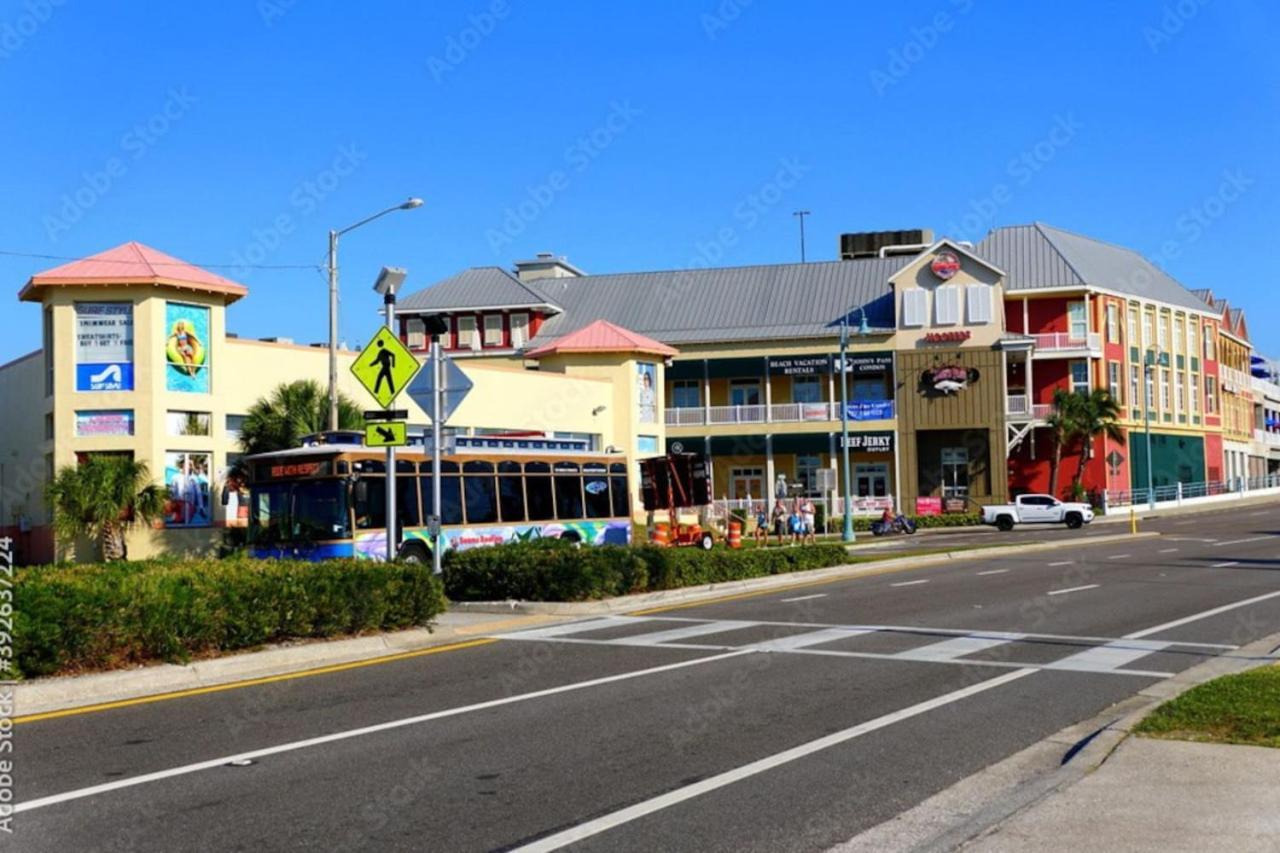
(849,535)
(437,428)
(393,529)
(801,214)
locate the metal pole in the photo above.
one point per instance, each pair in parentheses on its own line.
(437,373)
(849,535)
(1148,379)
(393,529)
(333,330)
(801,214)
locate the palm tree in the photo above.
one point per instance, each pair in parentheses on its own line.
(294,409)
(102,498)
(1062,423)
(1096,415)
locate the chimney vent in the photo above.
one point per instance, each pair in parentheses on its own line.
(546,265)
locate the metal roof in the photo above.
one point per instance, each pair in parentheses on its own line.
(1040,257)
(603,336)
(478,287)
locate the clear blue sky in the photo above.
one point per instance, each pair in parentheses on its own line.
(636,136)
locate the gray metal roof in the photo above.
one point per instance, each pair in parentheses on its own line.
(478,287)
(727,304)
(1039,256)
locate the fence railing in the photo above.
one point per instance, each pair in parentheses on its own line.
(1178,493)
(861,506)
(1063,341)
(1020,407)
(779,413)
(1262,436)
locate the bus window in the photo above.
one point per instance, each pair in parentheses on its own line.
(319,511)
(568,491)
(269,516)
(481,493)
(510,492)
(407,499)
(371,503)
(595,487)
(538,492)
(450,500)
(618,486)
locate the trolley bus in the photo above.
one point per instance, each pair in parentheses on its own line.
(329,500)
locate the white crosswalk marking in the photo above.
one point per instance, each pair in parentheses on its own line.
(1109,658)
(674,634)
(813,638)
(576,627)
(957,647)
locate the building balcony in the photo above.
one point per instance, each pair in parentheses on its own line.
(1264,388)
(1018,407)
(1270,439)
(1235,381)
(1066,345)
(779,413)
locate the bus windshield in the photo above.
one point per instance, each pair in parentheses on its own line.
(299,511)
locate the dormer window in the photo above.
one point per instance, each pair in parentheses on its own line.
(493,330)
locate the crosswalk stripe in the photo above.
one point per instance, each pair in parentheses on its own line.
(657,637)
(576,627)
(1108,658)
(800,641)
(957,647)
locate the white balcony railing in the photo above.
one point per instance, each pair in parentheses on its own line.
(1063,342)
(779,413)
(1270,439)
(1264,388)
(1018,407)
(1235,381)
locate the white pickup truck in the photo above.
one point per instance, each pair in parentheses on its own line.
(1037,509)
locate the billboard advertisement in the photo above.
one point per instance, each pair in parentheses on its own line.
(104,346)
(647,394)
(187,476)
(104,422)
(186,348)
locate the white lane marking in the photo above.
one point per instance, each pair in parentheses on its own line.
(1262,512)
(1196,617)
(1167,550)
(1108,658)
(907,583)
(1225,565)
(658,637)
(800,641)
(1240,541)
(1119,556)
(578,627)
(1074,589)
(956,647)
(1061,563)
(1190,539)
(1183,523)
(158,775)
(688,792)
(992,572)
(803,597)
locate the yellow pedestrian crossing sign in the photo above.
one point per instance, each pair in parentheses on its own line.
(385,367)
(389,434)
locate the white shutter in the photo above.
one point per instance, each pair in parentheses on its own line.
(915,307)
(416,332)
(493,330)
(978,297)
(519,329)
(947,305)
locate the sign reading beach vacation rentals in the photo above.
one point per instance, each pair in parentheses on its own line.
(799,365)
(104,346)
(186,348)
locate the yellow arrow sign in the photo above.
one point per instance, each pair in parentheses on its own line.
(390,434)
(385,367)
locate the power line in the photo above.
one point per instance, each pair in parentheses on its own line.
(163,263)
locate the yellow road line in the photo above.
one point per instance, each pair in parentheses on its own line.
(251,682)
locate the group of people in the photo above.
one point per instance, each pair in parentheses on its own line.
(796,522)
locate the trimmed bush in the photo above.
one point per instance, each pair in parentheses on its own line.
(551,571)
(70,619)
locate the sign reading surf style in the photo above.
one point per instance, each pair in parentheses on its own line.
(104,346)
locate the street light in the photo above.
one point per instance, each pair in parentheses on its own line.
(410,204)
(1148,365)
(863,330)
(388,283)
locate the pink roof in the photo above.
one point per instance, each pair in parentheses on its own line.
(133,263)
(603,336)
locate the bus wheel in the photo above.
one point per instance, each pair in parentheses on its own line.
(414,552)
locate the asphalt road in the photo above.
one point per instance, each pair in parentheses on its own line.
(786,721)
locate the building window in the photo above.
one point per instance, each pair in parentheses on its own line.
(415,333)
(1179,388)
(1080,377)
(946,305)
(493,330)
(807,474)
(1210,353)
(1133,384)
(1195,393)
(188,423)
(1077,321)
(1113,323)
(1178,324)
(1164,389)
(1210,395)
(519,329)
(1133,325)
(46,344)
(1113,375)
(467,337)
(1162,333)
(955,472)
(1148,329)
(806,389)
(915,307)
(647,443)
(1150,389)
(978,299)
(744,392)
(235,423)
(1191,338)
(685,394)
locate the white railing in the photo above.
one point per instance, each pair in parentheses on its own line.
(861,507)
(778,413)
(1020,407)
(1235,381)
(1180,493)
(1266,388)
(1271,439)
(1065,342)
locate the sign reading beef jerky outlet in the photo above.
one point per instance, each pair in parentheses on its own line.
(799,365)
(871,442)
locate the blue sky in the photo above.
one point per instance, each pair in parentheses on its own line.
(651,136)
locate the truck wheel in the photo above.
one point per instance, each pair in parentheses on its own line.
(1074,520)
(706,542)
(414,552)
(1004,523)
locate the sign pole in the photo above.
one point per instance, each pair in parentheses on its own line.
(437,425)
(392,527)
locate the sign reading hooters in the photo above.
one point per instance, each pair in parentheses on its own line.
(945,265)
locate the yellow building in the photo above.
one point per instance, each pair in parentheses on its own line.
(137,359)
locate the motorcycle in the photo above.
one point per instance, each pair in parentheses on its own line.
(900,524)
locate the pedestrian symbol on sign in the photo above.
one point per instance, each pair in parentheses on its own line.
(385,367)
(385,360)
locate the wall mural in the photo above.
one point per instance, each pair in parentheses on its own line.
(186,348)
(948,378)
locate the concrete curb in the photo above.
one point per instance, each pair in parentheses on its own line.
(979,805)
(642,601)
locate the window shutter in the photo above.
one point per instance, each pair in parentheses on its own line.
(947,305)
(915,306)
(979,298)
(519,329)
(416,332)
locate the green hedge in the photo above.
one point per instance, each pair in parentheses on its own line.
(71,619)
(552,571)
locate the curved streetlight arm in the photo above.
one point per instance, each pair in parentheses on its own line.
(408,205)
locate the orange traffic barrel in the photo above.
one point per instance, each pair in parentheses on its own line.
(661,534)
(735,534)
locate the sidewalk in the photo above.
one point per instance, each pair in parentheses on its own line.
(1157,795)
